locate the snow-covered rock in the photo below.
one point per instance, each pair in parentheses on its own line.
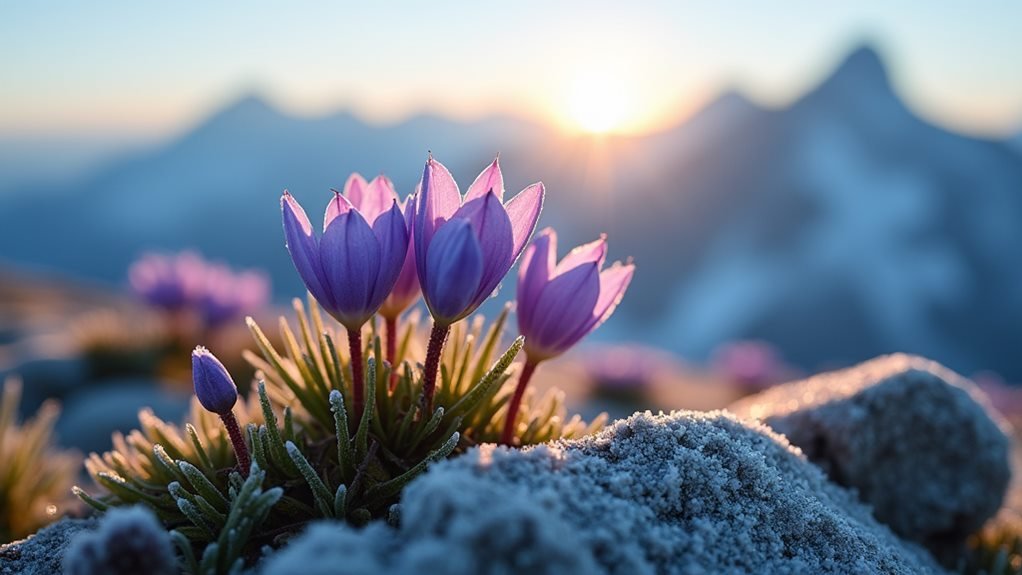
(916,440)
(681,493)
(42,553)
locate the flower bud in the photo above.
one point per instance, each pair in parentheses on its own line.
(213,385)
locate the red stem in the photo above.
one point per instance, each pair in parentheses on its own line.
(240,448)
(507,438)
(357,375)
(437,338)
(391,327)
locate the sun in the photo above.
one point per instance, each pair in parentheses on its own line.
(597,103)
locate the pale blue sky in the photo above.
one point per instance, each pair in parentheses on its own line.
(142,69)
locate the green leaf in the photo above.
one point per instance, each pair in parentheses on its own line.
(324,501)
(386,490)
(203,485)
(345,458)
(89,500)
(471,400)
(362,434)
(274,441)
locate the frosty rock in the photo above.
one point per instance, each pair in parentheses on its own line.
(916,440)
(680,493)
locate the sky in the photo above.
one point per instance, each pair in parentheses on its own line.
(131,69)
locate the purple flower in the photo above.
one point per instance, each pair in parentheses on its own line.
(465,247)
(352,268)
(168,282)
(227,295)
(406,289)
(559,304)
(217,393)
(213,385)
(753,365)
(1005,398)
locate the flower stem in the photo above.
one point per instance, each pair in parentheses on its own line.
(437,338)
(240,448)
(391,343)
(357,375)
(507,438)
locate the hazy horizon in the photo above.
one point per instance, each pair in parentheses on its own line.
(138,72)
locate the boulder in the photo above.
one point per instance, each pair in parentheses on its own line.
(42,553)
(685,493)
(917,441)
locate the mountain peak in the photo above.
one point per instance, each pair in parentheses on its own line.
(863,65)
(859,82)
(248,104)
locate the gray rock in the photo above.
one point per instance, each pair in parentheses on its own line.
(686,493)
(917,441)
(42,553)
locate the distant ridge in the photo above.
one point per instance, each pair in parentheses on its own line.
(839,227)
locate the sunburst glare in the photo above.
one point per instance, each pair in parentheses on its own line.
(597,102)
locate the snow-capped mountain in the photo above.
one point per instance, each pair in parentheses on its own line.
(847,227)
(839,227)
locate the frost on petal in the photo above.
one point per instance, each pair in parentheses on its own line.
(350,256)
(595,251)
(304,250)
(523,211)
(392,236)
(455,262)
(488,180)
(338,205)
(563,307)
(534,272)
(492,227)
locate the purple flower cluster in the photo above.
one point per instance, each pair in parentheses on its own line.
(375,255)
(751,365)
(185,282)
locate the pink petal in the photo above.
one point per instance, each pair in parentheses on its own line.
(338,205)
(534,272)
(297,212)
(354,189)
(595,251)
(523,210)
(440,194)
(489,179)
(376,198)
(437,200)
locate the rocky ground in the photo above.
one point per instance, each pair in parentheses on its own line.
(896,454)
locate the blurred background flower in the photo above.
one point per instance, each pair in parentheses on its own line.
(750,365)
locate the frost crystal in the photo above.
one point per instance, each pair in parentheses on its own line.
(680,493)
